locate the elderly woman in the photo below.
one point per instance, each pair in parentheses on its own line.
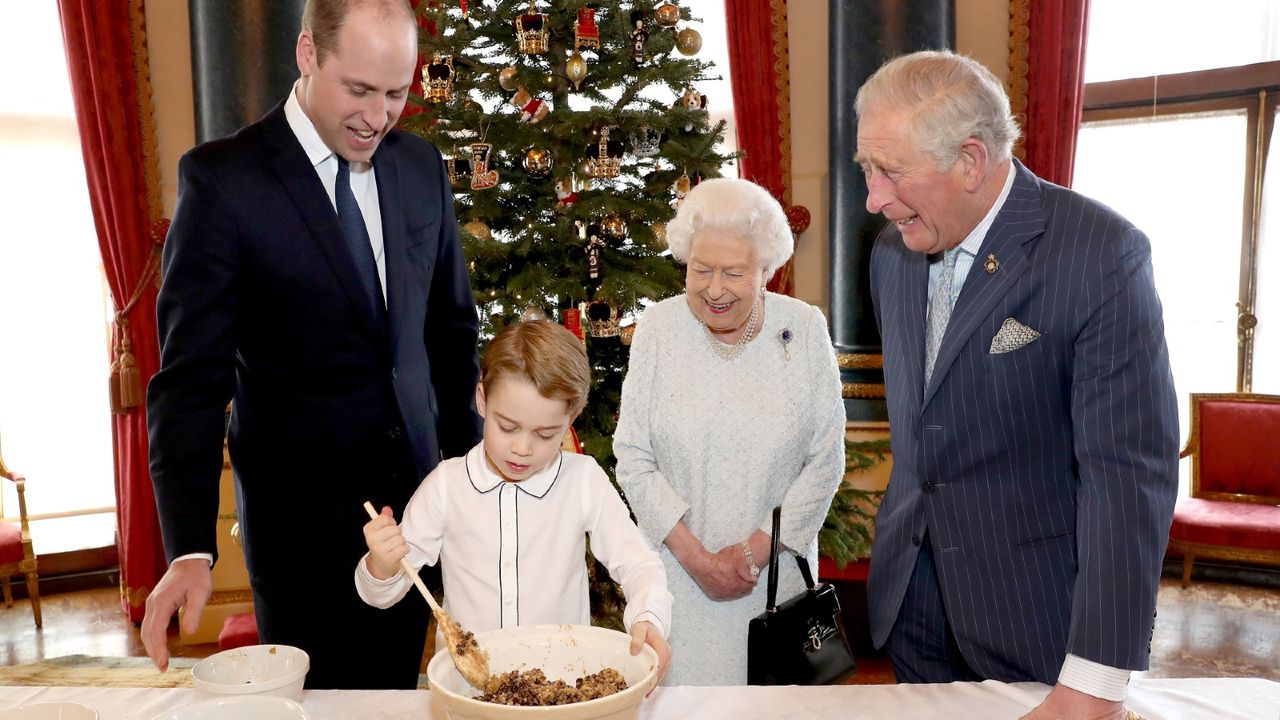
(731,406)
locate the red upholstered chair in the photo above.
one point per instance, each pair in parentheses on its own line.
(238,630)
(16,554)
(1234,509)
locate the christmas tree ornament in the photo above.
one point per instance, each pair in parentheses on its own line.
(688,41)
(537,161)
(603,319)
(639,37)
(667,15)
(459,166)
(575,68)
(693,101)
(681,188)
(604,158)
(627,333)
(590,236)
(437,78)
(532,109)
(613,228)
(566,193)
(646,141)
(482,177)
(571,318)
(659,243)
(532,32)
(478,230)
(586,34)
(533,313)
(507,78)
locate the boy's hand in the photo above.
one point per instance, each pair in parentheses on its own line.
(643,633)
(386,545)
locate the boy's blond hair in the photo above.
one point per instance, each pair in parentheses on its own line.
(545,354)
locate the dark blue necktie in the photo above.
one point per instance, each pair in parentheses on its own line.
(357,236)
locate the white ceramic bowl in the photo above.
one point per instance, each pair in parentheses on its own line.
(242,707)
(277,670)
(563,652)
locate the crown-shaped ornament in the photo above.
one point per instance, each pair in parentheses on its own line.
(646,141)
(437,78)
(603,319)
(532,33)
(604,158)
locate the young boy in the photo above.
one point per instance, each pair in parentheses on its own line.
(509,519)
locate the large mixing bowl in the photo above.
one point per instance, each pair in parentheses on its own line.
(562,652)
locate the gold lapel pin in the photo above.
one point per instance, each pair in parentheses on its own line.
(992,265)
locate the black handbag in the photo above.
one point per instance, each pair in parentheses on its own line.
(801,641)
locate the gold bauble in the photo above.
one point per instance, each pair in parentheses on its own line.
(575,68)
(659,236)
(667,15)
(613,227)
(533,313)
(688,41)
(537,161)
(479,230)
(507,79)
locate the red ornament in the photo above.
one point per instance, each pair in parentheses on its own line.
(572,318)
(798,218)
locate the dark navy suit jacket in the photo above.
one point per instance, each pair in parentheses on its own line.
(332,405)
(1046,476)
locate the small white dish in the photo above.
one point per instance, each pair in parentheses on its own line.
(278,670)
(50,711)
(239,707)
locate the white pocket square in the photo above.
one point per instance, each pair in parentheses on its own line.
(1012,335)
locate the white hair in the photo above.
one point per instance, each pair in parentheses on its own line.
(949,98)
(739,207)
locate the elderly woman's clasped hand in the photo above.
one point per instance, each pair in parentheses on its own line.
(723,575)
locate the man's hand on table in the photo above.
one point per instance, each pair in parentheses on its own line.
(186,584)
(1064,703)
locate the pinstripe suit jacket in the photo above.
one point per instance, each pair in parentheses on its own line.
(1045,477)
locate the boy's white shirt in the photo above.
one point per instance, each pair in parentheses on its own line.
(514,553)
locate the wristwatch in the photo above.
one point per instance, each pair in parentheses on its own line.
(751,560)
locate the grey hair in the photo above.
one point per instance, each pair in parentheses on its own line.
(740,207)
(950,98)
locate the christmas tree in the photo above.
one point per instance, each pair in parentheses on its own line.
(572,128)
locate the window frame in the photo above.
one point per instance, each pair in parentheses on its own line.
(1253,88)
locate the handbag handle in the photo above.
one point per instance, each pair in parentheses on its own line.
(772,601)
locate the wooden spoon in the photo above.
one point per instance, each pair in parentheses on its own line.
(472,662)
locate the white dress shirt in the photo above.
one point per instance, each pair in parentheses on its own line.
(364,183)
(514,553)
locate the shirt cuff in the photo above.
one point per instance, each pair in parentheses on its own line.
(1096,679)
(193,556)
(651,618)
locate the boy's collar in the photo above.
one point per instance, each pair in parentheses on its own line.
(483,478)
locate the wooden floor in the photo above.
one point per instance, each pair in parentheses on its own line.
(1211,629)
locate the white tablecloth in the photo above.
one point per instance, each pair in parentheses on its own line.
(1189,699)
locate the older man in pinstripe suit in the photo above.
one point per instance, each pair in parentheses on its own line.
(1030,400)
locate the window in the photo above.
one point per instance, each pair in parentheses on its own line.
(1180,108)
(54,420)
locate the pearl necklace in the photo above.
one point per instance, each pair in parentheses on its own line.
(731,352)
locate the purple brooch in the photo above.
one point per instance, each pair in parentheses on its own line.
(784,337)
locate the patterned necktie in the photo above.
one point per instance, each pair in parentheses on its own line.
(357,236)
(941,301)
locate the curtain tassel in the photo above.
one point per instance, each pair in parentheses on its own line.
(126,380)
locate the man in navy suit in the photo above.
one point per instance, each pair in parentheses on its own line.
(1031,405)
(313,276)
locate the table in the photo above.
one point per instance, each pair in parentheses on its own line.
(1163,699)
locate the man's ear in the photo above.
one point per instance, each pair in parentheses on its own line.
(480,398)
(305,53)
(973,160)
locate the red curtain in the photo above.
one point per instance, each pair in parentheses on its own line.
(760,76)
(110,83)
(1047,81)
